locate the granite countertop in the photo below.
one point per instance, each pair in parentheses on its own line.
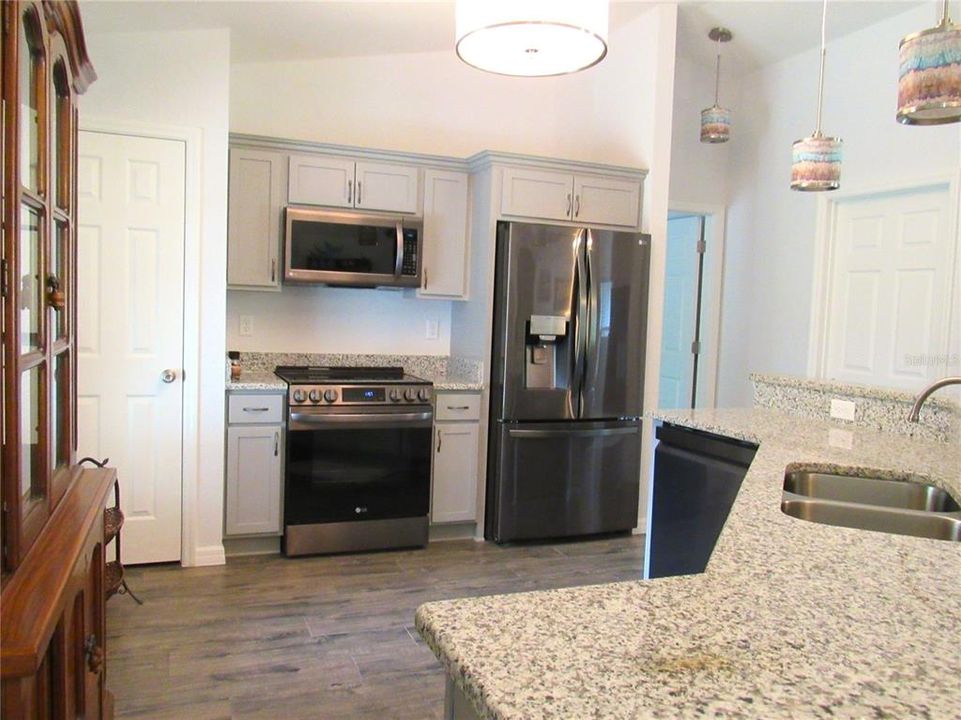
(453,381)
(792,619)
(257,381)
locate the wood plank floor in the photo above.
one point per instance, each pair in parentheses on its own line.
(323,637)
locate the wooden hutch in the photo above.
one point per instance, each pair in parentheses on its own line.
(52,615)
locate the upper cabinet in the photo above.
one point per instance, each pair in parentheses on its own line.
(574,197)
(257,191)
(345,183)
(445,234)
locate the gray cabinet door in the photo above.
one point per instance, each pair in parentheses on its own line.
(557,479)
(257,190)
(254,454)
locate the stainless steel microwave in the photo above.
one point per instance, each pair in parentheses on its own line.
(345,248)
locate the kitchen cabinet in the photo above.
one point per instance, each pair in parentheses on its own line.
(697,476)
(254,472)
(456,437)
(255,207)
(347,183)
(576,197)
(446,222)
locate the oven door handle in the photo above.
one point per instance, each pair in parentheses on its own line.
(313,421)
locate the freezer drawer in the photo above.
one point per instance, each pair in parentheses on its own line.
(564,479)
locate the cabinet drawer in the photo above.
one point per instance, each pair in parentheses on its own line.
(255,408)
(457,406)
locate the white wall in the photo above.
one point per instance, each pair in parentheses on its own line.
(769,260)
(433,103)
(181,79)
(338,320)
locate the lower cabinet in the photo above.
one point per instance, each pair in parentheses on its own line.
(456,436)
(254,472)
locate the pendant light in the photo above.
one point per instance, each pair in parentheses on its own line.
(929,82)
(816,159)
(532,38)
(715,120)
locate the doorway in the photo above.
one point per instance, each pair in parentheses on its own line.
(691,309)
(131,210)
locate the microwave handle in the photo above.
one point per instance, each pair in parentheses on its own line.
(399,264)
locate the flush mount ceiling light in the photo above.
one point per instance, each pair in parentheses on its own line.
(816,159)
(929,82)
(715,120)
(532,38)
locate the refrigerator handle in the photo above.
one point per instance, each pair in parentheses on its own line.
(580,325)
(593,305)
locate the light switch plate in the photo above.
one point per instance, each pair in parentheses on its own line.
(432,330)
(246,325)
(842,409)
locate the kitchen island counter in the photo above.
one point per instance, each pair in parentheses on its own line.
(791,619)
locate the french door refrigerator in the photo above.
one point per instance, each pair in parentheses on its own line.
(567,375)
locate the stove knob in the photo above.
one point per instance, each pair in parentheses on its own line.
(315,395)
(299,396)
(395,395)
(410,394)
(423,394)
(330,395)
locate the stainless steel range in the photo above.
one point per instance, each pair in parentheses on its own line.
(358,459)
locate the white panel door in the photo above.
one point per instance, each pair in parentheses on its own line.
(382,186)
(130,329)
(890,289)
(454,492)
(445,234)
(321,180)
(680,313)
(607,201)
(537,194)
(253,480)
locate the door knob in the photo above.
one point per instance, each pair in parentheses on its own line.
(168,375)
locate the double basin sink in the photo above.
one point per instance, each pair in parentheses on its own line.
(903,507)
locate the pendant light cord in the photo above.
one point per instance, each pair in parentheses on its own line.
(945,19)
(717,72)
(824,18)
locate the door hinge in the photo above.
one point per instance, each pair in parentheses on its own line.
(4,283)
(696,347)
(701,247)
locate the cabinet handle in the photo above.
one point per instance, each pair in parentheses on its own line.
(276,443)
(273,271)
(253,409)
(358,193)
(577,205)
(425,278)
(439,440)
(94,654)
(569,200)
(350,192)
(458,407)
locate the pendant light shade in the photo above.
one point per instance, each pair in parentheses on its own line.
(532,38)
(929,82)
(716,120)
(816,159)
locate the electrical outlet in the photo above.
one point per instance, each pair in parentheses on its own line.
(842,409)
(432,330)
(246,325)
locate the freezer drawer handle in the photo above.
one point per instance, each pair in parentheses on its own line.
(603,432)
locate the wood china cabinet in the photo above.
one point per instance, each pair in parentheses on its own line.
(52,519)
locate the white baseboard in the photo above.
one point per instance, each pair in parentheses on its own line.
(207,555)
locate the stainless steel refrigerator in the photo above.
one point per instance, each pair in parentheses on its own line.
(567,375)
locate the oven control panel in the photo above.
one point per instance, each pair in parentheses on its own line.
(360,395)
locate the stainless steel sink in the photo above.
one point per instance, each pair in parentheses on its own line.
(903,507)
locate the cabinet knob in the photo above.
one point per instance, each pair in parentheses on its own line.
(168,375)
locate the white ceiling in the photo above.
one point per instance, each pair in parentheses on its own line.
(270,30)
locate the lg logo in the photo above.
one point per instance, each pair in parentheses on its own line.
(360,510)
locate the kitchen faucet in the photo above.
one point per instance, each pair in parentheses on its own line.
(936,385)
